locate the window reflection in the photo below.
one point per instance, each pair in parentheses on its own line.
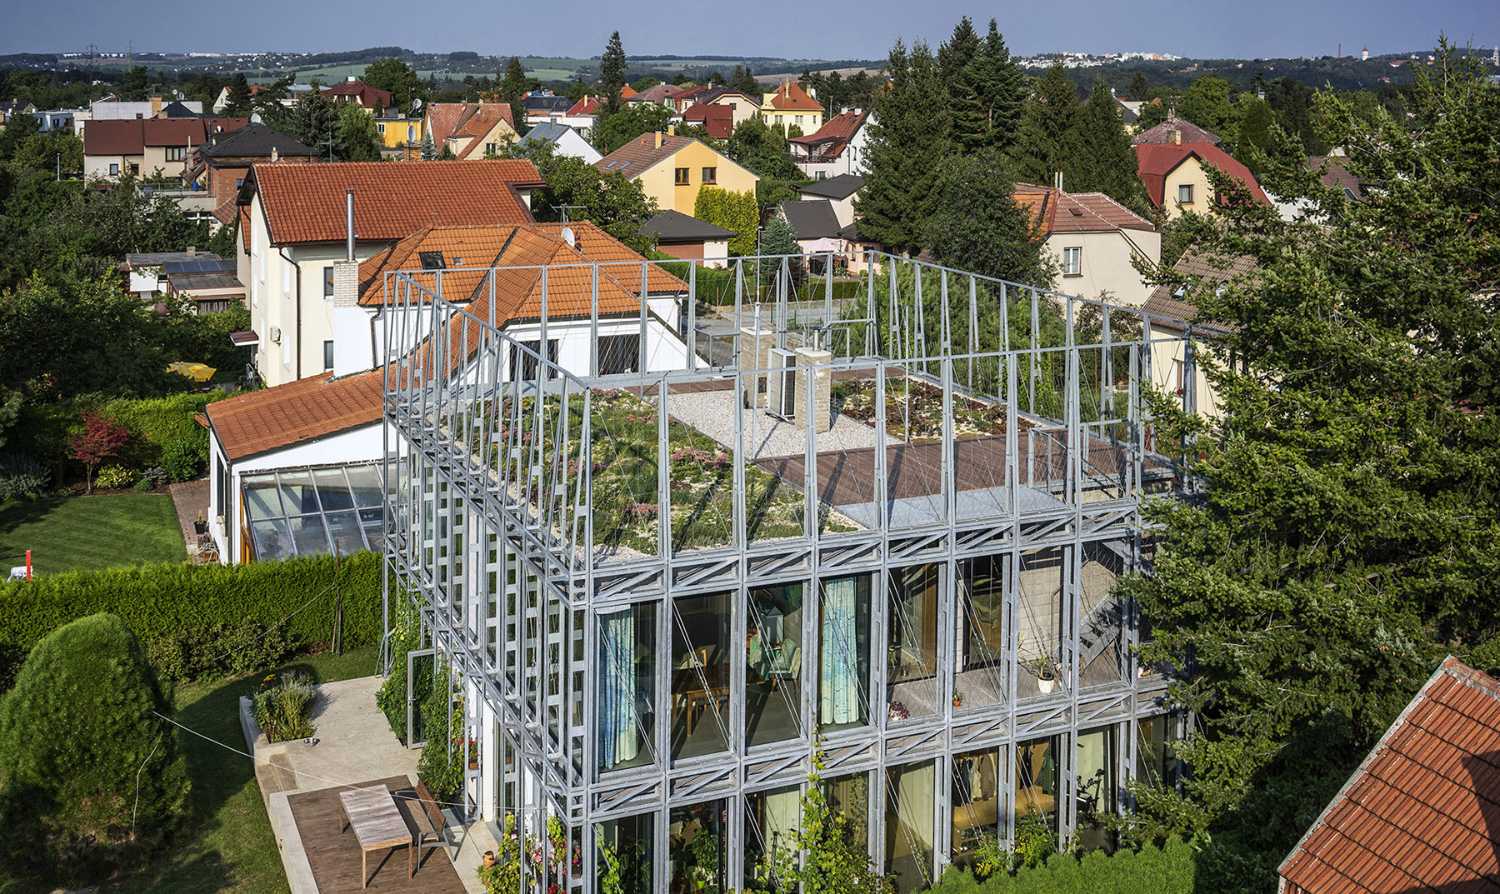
(910,808)
(771,822)
(976,802)
(700,674)
(980,676)
(911,649)
(773,661)
(698,842)
(624,850)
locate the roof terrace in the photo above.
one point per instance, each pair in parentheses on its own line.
(921,399)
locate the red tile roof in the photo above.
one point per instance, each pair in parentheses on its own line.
(468,253)
(1422,813)
(130,136)
(470,120)
(1154,161)
(392,200)
(364,94)
(840,128)
(716,120)
(251,424)
(586,105)
(790,97)
(1185,132)
(642,153)
(1053,211)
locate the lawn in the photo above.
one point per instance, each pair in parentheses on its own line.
(68,533)
(229,846)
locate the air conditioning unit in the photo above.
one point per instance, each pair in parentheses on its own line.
(275,335)
(781,384)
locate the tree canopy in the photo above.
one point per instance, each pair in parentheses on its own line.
(907,143)
(400,80)
(1346,537)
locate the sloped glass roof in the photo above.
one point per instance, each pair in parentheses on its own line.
(314,510)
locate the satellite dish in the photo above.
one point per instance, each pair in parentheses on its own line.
(570,237)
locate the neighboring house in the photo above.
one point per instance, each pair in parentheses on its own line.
(1422,811)
(294,93)
(223,164)
(116,110)
(841,192)
(293,467)
(1173,313)
(356,92)
(1175,130)
(146,271)
(688,95)
(838,147)
(689,238)
(400,136)
(664,95)
(148,147)
(544,107)
(1130,111)
(55,119)
(209,283)
(672,169)
(1176,176)
(790,107)
(1094,241)
(816,225)
(470,129)
(1333,171)
(743,106)
(586,109)
(10,108)
(564,140)
(293,231)
(716,120)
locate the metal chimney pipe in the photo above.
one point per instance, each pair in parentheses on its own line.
(349,226)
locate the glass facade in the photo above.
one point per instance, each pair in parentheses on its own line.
(313,511)
(627,687)
(700,674)
(773,664)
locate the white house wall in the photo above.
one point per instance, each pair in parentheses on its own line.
(1107,266)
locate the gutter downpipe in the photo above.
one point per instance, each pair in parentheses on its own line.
(298,267)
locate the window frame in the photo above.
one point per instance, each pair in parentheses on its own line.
(328,355)
(682,176)
(1185,188)
(1075,266)
(710,175)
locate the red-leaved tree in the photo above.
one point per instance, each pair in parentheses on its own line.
(100,439)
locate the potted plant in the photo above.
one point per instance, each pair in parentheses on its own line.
(958,700)
(1047,672)
(200,524)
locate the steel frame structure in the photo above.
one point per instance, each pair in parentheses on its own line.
(490,535)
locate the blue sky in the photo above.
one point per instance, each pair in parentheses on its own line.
(790,28)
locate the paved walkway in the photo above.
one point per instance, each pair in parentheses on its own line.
(190,498)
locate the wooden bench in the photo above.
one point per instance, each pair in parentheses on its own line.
(432,823)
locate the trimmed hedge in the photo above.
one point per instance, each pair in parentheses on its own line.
(1169,869)
(161,602)
(163,432)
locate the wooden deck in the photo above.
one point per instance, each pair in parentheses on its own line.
(334,854)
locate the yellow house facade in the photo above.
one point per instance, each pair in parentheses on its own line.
(397,135)
(672,169)
(790,106)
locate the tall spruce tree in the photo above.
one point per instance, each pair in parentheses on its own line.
(908,141)
(978,226)
(1044,143)
(1001,87)
(957,65)
(612,73)
(1102,157)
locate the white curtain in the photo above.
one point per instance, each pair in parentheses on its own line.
(838,676)
(617,704)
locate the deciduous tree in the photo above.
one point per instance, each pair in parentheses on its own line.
(100,439)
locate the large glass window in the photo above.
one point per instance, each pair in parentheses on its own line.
(771,822)
(1156,761)
(624,851)
(911,803)
(844,652)
(980,674)
(911,649)
(1036,780)
(1101,652)
(305,511)
(976,802)
(1094,761)
(849,797)
(773,661)
(627,668)
(700,674)
(699,846)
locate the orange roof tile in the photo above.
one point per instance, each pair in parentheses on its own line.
(248,425)
(1420,812)
(469,252)
(305,203)
(1154,161)
(640,154)
(790,97)
(1054,211)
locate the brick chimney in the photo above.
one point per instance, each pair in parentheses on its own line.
(353,337)
(1176,134)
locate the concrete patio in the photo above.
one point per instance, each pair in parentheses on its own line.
(353,747)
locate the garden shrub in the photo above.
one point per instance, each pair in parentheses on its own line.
(164,432)
(406,635)
(22,478)
(440,766)
(1167,869)
(221,650)
(114,478)
(160,601)
(281,709)
(93,780)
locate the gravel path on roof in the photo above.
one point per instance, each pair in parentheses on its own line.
(712,412)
